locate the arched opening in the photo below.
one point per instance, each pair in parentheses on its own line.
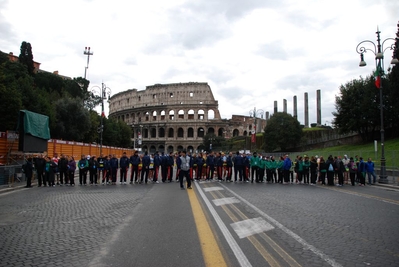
(181,114)
(201,132)
(201,114)
(190,149)
(161,132)
(220,132)
(180,148)
(211,130)
(154,115)
(152,149)
(153,133)
(163,115)
(161,148)
(235,132)
(190,114)
(180,133)
(190,132)
(170,149)
(171,133)
(211,114)
(171,115)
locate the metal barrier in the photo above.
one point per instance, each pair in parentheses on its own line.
(11,175)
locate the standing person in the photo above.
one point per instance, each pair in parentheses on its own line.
(55,159)
(345,160)
(362,170)
(273,167)
(114,164)
(286,169)
(210,165)
(124,166)
(280,170)
(299,168)
(93,170)
(352,170)
(313,170)
(135,161)
(101,167)
(330,170)
(63,169)
(238,167)
(157,164)
(28,170)
(184,170)
(170,164)
(178,165)
(219,166)
(246,168)
(51,168)
(40,164)
(200,165)
(145,161)
(229,166)
(323,170)
(306,167)
(107,170)
(254,165)
(370,171)
(151,168)
(340,171)
(83,165)
(194,168)
(164,167)
(71,170)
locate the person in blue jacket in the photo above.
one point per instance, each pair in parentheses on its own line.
(145,161)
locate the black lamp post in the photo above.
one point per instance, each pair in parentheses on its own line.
(378,50)
(104,91)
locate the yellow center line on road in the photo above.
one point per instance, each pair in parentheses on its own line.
(209,246)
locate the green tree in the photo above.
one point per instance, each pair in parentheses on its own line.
(282,132)
(218,142)
(357,107)
(26,57)
(393,93)
(72,120)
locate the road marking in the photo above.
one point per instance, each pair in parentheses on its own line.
(296,237)
(242,259)
(386,200)
(213,188)
(225,201)
(250,227)
(210,248)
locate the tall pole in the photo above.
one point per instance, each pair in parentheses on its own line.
(88,53)
(378,50)
(103,91)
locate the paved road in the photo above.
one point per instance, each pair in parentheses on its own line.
(215,224)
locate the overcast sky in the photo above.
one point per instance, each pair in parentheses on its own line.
(250,52)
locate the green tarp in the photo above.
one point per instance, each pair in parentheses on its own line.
(35,124)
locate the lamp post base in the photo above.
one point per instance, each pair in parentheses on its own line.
(383,180)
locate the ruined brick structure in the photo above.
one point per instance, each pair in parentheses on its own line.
(171,117)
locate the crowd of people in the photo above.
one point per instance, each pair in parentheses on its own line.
(229,167)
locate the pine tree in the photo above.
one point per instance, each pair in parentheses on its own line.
(26,57)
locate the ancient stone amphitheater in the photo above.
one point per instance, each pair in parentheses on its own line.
(172,117)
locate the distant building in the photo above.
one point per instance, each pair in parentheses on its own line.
(171,117)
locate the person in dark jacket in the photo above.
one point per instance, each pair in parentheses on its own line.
(145,161)
(135,161)
(63,169)
(93,170)
(157,164)
(330,170)
(178,165)
(286,169)
(170,163)
(50,170)
(219,166)
(229,164)
(71,170)
(124,166)
(114,164)
(238,166)
(313,170)
(362,171)
(210,165)
(164,167)
(40,164)
(200,165)
(107,170)
(101,167)
(28,170)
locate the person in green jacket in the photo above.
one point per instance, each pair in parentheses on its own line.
(306,167)
(254,164)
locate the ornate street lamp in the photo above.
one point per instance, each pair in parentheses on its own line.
(103,92)
(378,50)
(255,114)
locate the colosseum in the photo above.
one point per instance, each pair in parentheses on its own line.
(172,117)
